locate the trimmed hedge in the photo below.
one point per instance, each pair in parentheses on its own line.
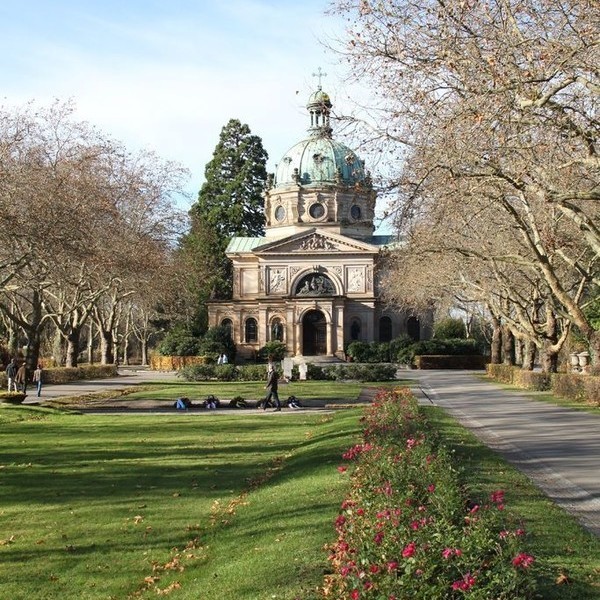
(175,363)
(66,374)
(381,372)
(12,397)
(445,361)
(573,386)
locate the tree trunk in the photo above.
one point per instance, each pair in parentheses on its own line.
(90,343)
(550,356)
(144,347)
(594,341)
(106,347)
(496,345)
(529,351)
(73,347)
(519,351)
(57,349)
(508,346)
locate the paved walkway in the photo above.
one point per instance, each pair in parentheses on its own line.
(557,448)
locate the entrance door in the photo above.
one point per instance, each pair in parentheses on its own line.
(314,333)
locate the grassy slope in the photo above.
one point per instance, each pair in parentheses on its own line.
(95,506)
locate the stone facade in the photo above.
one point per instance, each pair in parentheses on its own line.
(311,282)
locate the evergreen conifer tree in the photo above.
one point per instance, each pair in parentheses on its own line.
(229,204)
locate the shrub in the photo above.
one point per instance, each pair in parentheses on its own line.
(452,347)
(179,343)
(532,380)
(450,328)
(369,352)
(198,372)
(175,363)
(501,373)
(569,385)
(358,351)
(217,340)
(450,361)
(407,531)
(252,372)
(275,348)
(378,372)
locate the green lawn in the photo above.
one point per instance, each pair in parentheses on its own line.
(218,506)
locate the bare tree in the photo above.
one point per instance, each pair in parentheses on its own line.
(493,107)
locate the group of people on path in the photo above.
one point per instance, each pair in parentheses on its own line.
(17,377)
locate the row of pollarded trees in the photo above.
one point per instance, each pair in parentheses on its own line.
(491,109)
(86,232)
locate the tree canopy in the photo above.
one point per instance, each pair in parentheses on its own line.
(488,111)
(229,204)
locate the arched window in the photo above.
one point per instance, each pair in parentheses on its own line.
(413,328)
(250,331)
(228,324)
(355,329)
(385,329)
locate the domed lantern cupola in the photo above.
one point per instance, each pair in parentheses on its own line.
(320,182)
(319,108)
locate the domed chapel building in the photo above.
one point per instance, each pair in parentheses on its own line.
(311,281)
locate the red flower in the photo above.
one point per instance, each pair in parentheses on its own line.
(354,595)
(392,565)
(523,561)
(497,497)
(374,569)
(342,469)
(378,538)
(431,488)
(464,584)
(409,550)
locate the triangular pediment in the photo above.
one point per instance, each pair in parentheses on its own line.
(312,242)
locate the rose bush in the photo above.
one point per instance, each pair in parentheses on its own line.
(406,529)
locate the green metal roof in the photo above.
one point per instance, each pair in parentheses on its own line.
(244,244)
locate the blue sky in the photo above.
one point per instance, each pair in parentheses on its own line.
(167,75)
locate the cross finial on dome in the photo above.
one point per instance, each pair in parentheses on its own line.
(320,75)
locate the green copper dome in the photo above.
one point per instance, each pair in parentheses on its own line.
(319,159)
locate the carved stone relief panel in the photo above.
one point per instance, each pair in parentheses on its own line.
(356,279)
(277,281)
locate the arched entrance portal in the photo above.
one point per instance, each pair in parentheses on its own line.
(314,333)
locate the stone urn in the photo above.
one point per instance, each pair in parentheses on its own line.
(584,359)
(574,357)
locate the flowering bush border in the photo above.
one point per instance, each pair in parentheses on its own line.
(406,529)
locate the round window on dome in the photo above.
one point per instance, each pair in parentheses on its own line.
(316,210)
(355,212)
(279,213)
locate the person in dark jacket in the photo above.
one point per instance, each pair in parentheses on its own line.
(11,373)
(271,387)
(21,378)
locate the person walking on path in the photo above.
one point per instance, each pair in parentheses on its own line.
(21,379)
(11,373)
(37,379)
(271,387)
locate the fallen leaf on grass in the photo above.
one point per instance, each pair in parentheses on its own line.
(174,586)
(562,579)
(7,541)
